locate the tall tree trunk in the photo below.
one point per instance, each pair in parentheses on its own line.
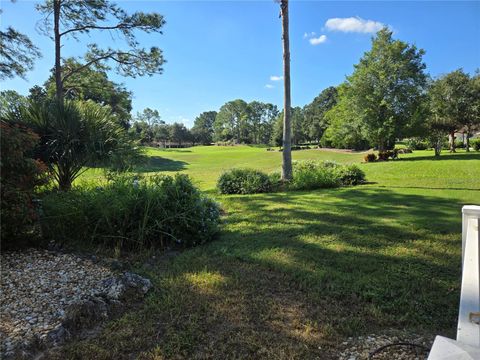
(287,126)
(58,65)
(467,140)
(452,141)
(438,146)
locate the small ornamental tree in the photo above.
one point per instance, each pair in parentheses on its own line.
(20,174)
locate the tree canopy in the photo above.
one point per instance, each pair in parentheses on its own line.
(315,122)
(17,54)
(454,103)
(385,89)
(72,18)
(94,84)
(202,130)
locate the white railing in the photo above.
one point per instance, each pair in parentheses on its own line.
(467,345)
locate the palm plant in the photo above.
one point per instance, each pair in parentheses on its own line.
(75,134)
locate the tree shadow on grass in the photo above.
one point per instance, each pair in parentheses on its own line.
(157,163)
(429,188)
(387,249)
(305,270)
(462,156)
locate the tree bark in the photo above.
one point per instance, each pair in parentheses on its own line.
(467,140)
(287,145)
(452,141)
(438,147)
(58,65)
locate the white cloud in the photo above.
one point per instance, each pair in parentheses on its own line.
(276,78)
(321,39)
(269,86)
(307,35)
(185,121)
(353,24)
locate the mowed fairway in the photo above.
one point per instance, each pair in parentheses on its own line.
(293,274)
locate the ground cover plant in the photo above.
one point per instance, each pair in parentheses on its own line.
(304,270)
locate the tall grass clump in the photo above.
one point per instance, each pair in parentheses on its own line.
(130,213)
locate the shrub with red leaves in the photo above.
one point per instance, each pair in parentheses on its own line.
(19,176)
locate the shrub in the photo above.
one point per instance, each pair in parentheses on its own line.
(243,181)
(389,154)
(383,155)
(275,180)
(351,175)
(475,143)
(308,175)
(459,144)
(370,157)
(132,213)
(416,144)
(20,174)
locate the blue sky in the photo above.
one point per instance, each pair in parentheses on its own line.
(218,51)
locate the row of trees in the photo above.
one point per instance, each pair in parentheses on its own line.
(389,96)
(150,129)
(236,122)
(342,116)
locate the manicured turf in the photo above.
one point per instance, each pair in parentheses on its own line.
(293,274)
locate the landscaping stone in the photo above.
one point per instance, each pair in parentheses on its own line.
(46,296)
(360,348)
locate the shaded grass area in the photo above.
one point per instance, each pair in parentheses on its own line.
(293,274)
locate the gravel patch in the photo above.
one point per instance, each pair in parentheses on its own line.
(370,347)
(37,289)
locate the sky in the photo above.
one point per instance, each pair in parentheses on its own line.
(218,51)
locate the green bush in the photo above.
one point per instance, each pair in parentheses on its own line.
(20,175)
(383,156)
(308,175)
(370,157)
(128,213)
(243,181)
(416,144)
(351,175)
(275,180)
(475,143)
(459,144)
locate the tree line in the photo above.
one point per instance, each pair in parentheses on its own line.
(389,96)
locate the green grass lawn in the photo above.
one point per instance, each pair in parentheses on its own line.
(293,274)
